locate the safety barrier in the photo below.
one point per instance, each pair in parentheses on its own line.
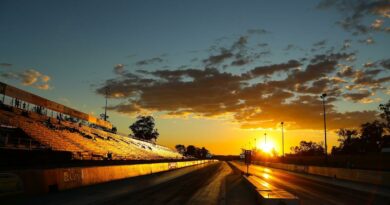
(47,180)
(357,175)
(266,193)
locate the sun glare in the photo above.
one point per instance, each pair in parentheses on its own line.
(266,147)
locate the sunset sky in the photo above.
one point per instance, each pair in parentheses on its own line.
(213,73)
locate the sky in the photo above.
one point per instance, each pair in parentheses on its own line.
(216,73)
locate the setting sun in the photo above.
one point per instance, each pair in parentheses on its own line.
(266,147)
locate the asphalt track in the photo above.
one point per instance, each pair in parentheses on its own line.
(214,183)
(320,190)
(217,183)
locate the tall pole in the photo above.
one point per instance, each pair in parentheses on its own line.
(255,143)
(323,96)
(265,138)
(282,140)
(105,108)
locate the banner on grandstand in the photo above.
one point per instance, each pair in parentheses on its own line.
(40,101)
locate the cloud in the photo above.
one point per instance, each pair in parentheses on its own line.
(235,55)
(271,69)
(240,62)
(257,31)
(216,59)
(321,43)
(346,45)
(358,96)
(377,24)
(367,41)
(262,44)
(249,100)
(357,12)
(5,64)
(346,72)
(30,77)
(385,63)
(333,57)
(149,61)
(119,69)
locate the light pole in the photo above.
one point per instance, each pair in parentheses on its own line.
(255,143)
(282,139)
(265,138)
(105,108)
(323,96)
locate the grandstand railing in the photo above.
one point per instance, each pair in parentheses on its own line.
(20,143)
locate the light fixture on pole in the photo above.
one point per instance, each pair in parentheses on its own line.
(282,139)
(323,97)
(105,108)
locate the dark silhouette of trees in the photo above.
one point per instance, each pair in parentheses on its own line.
(372,136)
(181,149)
(349,141)
(385,115)
(144,129)
(193,151)
(203,152)
(308,148)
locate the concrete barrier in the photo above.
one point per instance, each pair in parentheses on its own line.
(265,192)
(357,175)
(45,180)
(270,195)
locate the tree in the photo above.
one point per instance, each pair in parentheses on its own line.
(371,136)
(385,108)
(203,153)
(349,142)
(191,151)
(308,149)
(143,128)
(181,149)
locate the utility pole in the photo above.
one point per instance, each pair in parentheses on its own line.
(323,96)
(282,139)
(105,108)
(255,143)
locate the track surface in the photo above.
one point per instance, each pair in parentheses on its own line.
(214,183)
(312,191)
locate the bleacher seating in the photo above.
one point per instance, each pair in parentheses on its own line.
(82,141)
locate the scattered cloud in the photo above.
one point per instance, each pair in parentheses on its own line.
(367,41)
(385,63)
(355,13)
(5,65)
(149,61)
(119,69)
(358,96)
(276,92)
(30,77)
(257,31)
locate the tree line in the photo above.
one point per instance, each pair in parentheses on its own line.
(193,151)
(370,137)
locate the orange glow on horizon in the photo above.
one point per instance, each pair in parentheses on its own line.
(266,147)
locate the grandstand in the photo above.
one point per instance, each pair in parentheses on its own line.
(30,122)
